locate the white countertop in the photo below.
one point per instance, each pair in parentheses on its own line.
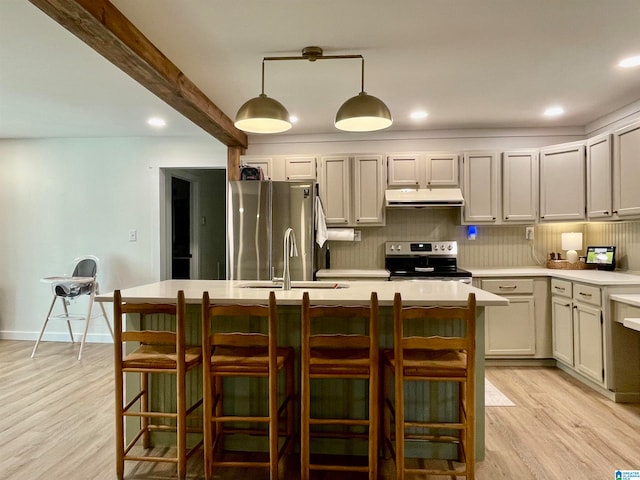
(352,273)
(630,299)
(359,292)
(595,277)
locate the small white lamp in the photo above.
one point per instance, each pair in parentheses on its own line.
(572,242)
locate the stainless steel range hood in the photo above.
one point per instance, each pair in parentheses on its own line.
(424,197)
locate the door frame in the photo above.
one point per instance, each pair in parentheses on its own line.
(166,270)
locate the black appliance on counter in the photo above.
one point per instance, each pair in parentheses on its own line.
(424,261)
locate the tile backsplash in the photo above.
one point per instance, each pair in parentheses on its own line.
(495,246)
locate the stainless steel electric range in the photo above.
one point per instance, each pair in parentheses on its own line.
(424,261)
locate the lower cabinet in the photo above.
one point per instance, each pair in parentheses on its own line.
(562,324)
(588,338)
(511,330)
(578,333)
(519,330)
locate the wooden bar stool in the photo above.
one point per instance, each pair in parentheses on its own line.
(246,353)
(331,355)
(158,352)
(420,357)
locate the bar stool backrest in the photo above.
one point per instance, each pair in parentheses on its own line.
(150,337)
(251,337)
(314,314)
(460,342)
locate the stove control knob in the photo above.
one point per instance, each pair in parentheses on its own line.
(399,247)
(449,247)
(436,247)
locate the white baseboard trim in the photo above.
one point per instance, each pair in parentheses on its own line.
(55,336)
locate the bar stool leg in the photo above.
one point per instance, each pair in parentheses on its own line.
(290,392)
(305,414)
(399,420)
(144,407)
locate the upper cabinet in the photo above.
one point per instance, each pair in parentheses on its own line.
(283,168)
(369,184)
(562,182)
(520,186)
(352,189)
(440,170)
(420,170)
(480,176)
(300,168)
(599,178)
(335,189)
(626,171)
(403,170)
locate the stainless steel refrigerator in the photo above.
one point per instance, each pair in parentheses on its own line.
(258,214)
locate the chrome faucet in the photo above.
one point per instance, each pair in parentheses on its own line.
(290,250)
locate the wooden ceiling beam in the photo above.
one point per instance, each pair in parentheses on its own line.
(104,28)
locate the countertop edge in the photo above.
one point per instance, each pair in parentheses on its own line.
(358,293)
(594,277)
(629,299)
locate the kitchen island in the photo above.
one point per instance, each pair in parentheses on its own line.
(247,292)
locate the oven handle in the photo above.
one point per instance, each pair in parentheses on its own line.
(424,269)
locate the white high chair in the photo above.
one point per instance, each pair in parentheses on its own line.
(81,282)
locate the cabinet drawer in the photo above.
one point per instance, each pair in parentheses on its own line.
(586,294)
(561,288)
(508,286)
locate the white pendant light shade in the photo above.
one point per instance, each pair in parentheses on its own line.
(363,113)
(262,115)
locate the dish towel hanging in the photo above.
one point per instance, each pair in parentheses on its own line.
(321,225)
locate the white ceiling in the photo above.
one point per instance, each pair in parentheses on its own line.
(469,63)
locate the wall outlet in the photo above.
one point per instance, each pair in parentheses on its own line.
(357,236)
(528,233)
(133,235)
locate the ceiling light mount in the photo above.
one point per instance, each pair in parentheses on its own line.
(361,113)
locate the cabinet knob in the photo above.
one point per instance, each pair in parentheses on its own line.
(606,212)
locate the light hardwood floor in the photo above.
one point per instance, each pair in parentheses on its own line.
(56,422)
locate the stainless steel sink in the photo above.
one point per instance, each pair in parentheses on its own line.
(294,284)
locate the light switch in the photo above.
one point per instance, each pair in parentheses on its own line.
(133,235)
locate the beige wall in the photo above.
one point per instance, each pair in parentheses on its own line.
(495,246)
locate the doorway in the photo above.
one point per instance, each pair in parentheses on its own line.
(193,231)
(180,228)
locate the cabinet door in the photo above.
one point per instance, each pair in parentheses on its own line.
(562,192)
(480,186)
(403,170)
(334,190)
(599,177)
(626,194)
(369,185)
(510,330)
(562,325)
(300,168)
(441,170)
(265,163)
(587,325)
(520,186)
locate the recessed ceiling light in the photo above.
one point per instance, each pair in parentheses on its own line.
(293,119)
(630,62)
(419,115)
(554,111)
(157,122)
